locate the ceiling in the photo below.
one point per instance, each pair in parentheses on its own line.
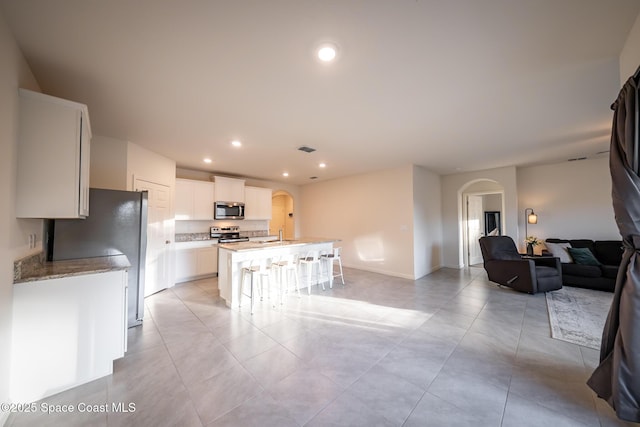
(449,85)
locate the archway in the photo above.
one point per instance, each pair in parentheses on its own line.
(480,202)
(282,215)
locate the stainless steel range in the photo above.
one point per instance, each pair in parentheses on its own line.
(227,234)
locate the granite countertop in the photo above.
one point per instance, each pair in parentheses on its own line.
(258,245)
(30,270)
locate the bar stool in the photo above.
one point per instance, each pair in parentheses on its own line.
(285,267)
(257,270)
(330,258)
(311,260)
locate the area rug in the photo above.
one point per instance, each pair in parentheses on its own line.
(578,315)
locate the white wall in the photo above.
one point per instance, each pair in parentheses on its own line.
(108,163)
(572,200)
(371,213)
(427,222)
(452,188)
(115,164)
(152,167)
(14,73)
(492,202)
(630,55)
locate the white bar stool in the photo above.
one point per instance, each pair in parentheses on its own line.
(330,258)
(286,266)
(257,270)
(309,261)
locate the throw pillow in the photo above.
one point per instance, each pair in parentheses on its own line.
(583,256)
(559,250)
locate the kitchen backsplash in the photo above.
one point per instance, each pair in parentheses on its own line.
(183,227)
(191,237)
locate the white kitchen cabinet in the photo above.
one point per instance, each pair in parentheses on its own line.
(203,200)
(206,261)
(257,203)
(184,195)
(194,200)
(229,189)
(66,332)
(185,263)
(195,260)
(53,157)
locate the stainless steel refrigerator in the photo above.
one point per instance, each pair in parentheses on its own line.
(117,224)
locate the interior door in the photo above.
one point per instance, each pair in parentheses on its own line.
(159,236)
(474,228)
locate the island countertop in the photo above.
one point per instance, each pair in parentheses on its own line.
(232,257)
(45,270)
(270,244)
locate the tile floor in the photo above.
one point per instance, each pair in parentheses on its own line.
(450,349)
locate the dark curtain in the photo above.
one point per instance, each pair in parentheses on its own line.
(617,378)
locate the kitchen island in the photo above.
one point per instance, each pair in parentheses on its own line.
(233,256)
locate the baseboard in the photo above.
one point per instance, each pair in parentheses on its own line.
(380,271)
(432,270)
(455,267)
(396,274)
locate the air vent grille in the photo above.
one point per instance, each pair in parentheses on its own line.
(306,149)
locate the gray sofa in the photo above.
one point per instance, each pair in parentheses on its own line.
(601,277)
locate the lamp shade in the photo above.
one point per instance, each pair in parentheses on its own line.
(532,218)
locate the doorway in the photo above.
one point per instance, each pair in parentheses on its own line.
(282,217)
(482,215)
(474,229)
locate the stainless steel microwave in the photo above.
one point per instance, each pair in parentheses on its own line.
(229,210)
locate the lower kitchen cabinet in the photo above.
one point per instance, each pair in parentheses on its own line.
(206,261)
(66,332)
(195,260)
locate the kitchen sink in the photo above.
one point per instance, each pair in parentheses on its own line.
(276,242)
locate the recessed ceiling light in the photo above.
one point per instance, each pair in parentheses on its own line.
(236,143)
(322,165)
(327,52)
(207,160)
(285,173)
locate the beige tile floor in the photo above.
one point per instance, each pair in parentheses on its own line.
(450,349)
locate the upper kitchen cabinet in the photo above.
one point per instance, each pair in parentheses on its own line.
(257,203)
(194,199)
(229,189)
(53,157)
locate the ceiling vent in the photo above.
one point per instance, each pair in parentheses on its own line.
(313,177)
(306,149)
(577,158)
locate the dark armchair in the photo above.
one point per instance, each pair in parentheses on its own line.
(505,266)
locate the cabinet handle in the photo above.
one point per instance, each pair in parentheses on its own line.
(167,242)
